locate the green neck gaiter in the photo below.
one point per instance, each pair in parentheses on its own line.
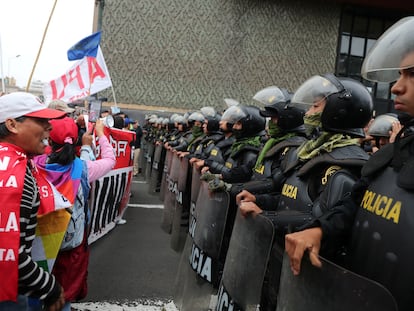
(274,130)
(240,143)
(197,131)
(312,122)
(269,144)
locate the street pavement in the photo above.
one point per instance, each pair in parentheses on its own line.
(134,262)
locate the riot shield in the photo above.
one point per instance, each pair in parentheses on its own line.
(246,263)
(170,195)
(181,217)
(330,288)
(149,158)
(195,185)
(155,172)
(201,271)
(142,160)
(165,173)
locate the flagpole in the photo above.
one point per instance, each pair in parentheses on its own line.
(40,48)
(3,88)
(113,93)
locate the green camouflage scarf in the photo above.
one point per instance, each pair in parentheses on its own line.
(269,144)
(249,141)
(326,142)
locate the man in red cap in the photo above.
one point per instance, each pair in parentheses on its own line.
(24,132)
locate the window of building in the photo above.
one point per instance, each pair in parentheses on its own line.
(359,30)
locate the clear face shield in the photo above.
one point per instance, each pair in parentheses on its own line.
(393,52)
(208,112)
(233,114)
(230,102)
(196,116)
(271,95)
(312,91)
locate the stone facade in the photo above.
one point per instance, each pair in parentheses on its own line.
(194,53)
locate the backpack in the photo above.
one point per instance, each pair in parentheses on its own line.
(79,214)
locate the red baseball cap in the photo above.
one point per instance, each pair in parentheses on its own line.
(63,131)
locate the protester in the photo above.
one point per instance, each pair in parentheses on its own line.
(373,222)
(72,176)
(62,106)
(24,131)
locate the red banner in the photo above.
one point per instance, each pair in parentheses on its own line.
(12,171)
(110,194)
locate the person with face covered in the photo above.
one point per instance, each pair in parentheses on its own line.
(248,131)
(374,221)
(285,130)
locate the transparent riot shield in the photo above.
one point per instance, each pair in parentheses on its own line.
(156,169)
(165,173)
(201,270)
(246,263)
(181,217)
(170,195)
(330,288)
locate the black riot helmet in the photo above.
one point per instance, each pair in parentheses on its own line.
(276,101)
(212,118)
(349,110)
(195,116)
(249,117)
(382,125)
(348,103)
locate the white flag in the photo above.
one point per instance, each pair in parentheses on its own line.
(86,77)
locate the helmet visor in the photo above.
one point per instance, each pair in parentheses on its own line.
(270,95)
(231,102)
(312,91)
(389,54)
(233,114)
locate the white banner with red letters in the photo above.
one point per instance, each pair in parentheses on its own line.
(87,76)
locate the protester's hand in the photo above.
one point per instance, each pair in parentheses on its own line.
(80,120)
(87,139)
(245,196)
(247,207)
(99,128)
(297,243)
(205,169)
(58,304)
(396,128)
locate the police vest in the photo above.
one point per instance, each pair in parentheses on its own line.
(382,240)
(272,158)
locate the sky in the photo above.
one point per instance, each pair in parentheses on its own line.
(22,25)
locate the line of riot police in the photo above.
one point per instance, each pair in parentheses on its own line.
(235,184)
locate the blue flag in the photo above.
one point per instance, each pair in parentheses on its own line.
(86,47)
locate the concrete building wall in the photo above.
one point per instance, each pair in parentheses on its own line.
(194,53)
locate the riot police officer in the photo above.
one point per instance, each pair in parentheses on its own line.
(285,130)
(315,174)
(374,221)
(248,130)
(383,130)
